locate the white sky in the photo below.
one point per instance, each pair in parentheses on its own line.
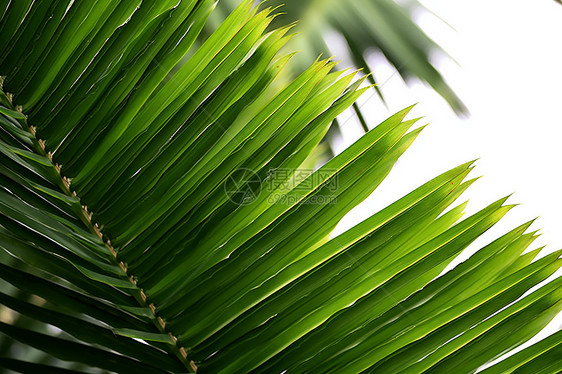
(509,74)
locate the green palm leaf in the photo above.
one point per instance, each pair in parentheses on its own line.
(155,216)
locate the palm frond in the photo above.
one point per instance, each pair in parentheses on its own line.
(158,219)
(366,26)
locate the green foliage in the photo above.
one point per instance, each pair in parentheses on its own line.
(123,252)
(366,26)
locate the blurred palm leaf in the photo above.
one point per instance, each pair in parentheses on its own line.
(367,26)
(385,26)
(135,239)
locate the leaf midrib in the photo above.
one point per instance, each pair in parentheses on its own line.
(86,218)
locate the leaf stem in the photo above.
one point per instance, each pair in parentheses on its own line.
(86,217)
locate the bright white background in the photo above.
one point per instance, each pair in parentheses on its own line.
(509,74)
